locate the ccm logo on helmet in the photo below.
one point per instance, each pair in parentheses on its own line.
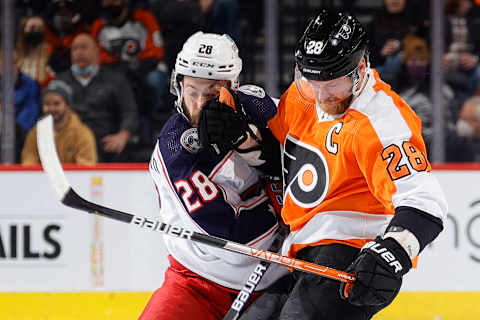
(305,173)
(203,64)
(385,254)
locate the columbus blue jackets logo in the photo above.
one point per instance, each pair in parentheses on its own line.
(305,173)
(189,140)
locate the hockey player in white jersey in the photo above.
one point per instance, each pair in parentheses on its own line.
(214,194)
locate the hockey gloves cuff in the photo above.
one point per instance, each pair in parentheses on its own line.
(222,125)
(378,270)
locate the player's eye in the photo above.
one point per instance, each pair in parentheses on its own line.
(192,94)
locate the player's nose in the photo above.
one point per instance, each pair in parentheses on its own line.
(200,101)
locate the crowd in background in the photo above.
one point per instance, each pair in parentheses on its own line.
(400,52)
(102,69)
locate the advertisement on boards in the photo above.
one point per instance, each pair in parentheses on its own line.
(45,246)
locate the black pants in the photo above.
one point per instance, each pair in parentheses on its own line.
(304,296)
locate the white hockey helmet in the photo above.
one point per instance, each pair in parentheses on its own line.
(207,56)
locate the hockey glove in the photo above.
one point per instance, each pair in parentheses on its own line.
(222,125)
(378,270)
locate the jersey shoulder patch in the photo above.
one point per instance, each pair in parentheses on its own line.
(252,90)
(258,106)
(189,140)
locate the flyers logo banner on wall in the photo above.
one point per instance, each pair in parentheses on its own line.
(305,173)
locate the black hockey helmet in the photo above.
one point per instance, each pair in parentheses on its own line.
(332,46)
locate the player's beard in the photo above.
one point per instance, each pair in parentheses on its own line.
(336,108)
(193,118)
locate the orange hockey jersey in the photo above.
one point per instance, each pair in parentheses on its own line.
(345,175)
(138,38)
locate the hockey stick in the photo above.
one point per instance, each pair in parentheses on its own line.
(53,168)
(254,279)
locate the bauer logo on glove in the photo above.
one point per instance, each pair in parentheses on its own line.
(378,270)
(385,254)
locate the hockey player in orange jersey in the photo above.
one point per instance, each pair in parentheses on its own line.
(358,189)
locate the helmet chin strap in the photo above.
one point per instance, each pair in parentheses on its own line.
(181,107)
(177,87)
(359,84)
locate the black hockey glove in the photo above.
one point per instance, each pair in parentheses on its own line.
(378,270)
(222,127)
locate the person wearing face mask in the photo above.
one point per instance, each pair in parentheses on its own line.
(465,147)
(74,141)
(462,45)
(130,42)
(102,98)
(33,50)
(63,23)
(387,29)
(413,85)
(468,123)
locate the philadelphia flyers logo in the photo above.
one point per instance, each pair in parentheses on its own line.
(305,173)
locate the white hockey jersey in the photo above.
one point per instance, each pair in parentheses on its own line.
(216,196)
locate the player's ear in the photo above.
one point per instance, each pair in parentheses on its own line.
(362,67)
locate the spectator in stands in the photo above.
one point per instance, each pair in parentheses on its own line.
(221,16)
(33,50)
(26,103)
(25,8)
(466,147)
(468,123)
(463,44)
(102,98)
(131,42)
(179,20)
(419,11)
(387,30)
(413,85)
(64,22)
(74,140)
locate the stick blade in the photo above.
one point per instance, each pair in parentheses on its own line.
(49,157)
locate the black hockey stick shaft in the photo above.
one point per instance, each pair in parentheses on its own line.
(72,199)
(244,295)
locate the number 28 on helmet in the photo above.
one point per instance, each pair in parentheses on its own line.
(327,57)
(206,56)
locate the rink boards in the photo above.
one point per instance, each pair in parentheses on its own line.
(59,263)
